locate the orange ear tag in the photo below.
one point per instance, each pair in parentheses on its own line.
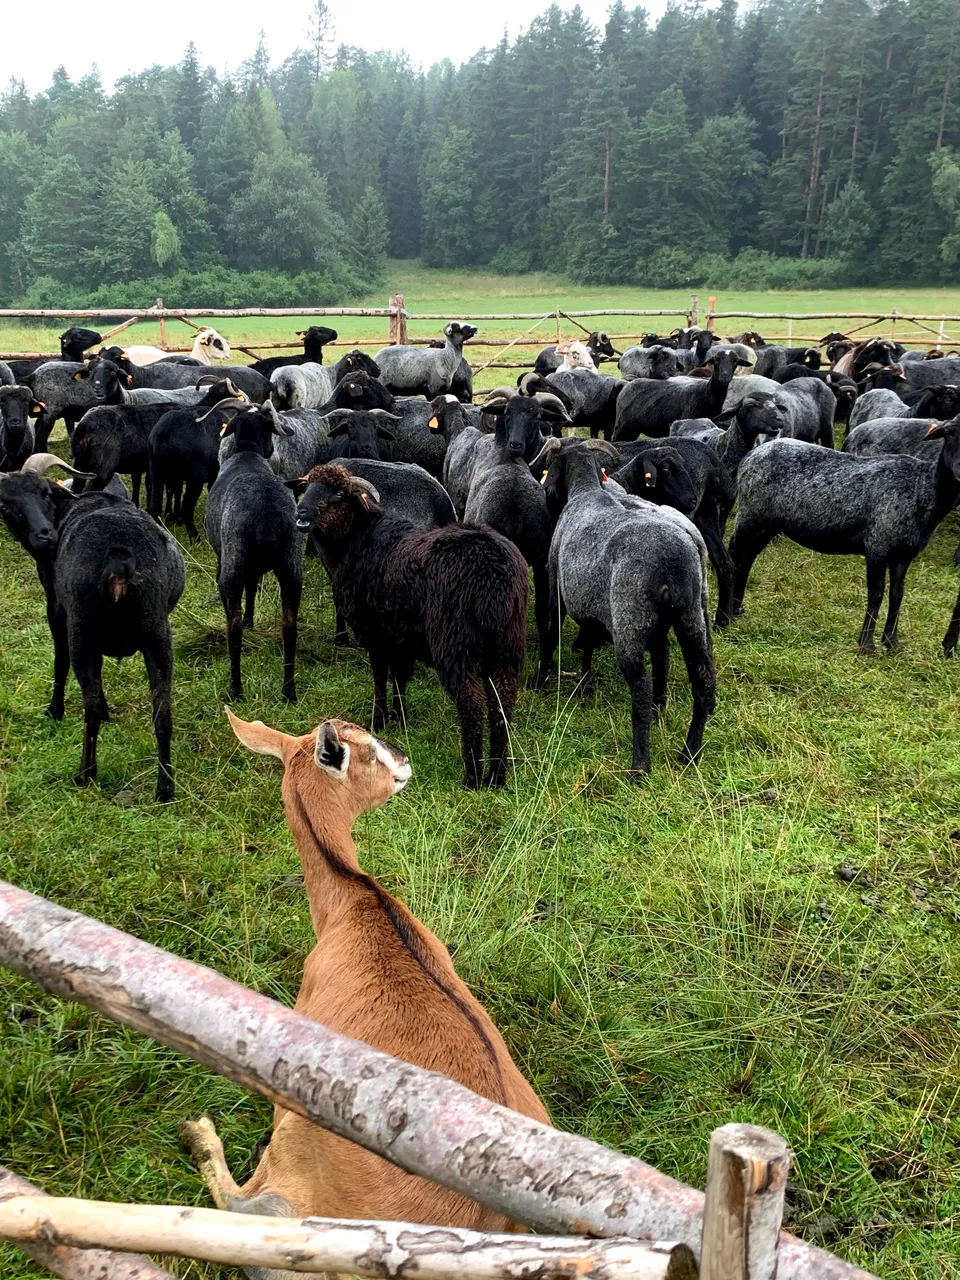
(603,475)
(363,499)
(434,423)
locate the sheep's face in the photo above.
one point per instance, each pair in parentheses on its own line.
(332,502)
(358,362)
(16,406)
(74,341)
(337,763)
(459,332)
(665,480)
(216,346)
(761,417)
(601,346)
(944,403)
(317,335)
(30,507)
(106,378)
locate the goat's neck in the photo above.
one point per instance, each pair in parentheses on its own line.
(320,822)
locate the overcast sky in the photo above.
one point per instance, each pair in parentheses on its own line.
(35,42)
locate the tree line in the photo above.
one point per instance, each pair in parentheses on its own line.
(803,142)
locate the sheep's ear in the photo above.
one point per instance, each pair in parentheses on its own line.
(936,432)
(257,736)
(331,753)
(340,429)
(129,378)
(385,433)
(348,361)
(743,364)
(727,415)
(298,486)
(79,375)
(38,406)
(496,410)
(650,475)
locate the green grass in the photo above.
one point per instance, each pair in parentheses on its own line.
(662,959)
(458,293)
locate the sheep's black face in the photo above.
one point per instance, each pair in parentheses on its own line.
(28,507)
(665,480)
(322,509)
(106,379)
(945,402)
(521,422)
(75,341)
(15,405)
(949,433)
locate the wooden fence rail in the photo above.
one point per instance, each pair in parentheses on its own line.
(419,1120)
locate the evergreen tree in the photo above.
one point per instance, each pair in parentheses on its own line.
(284,221)
(369,235)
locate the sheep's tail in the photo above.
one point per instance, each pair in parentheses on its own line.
(118,575)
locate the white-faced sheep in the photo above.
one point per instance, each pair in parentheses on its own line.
(208,346)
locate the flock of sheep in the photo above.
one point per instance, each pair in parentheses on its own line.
(427,510)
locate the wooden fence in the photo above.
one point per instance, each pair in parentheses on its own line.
(612,1217)
(799,325)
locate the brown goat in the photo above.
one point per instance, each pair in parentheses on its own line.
(377,974)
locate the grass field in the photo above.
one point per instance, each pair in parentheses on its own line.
(662,959)
(452,294)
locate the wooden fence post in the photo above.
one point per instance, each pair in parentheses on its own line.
(398,321)
(694,311)
(746,1184)
(163,326)
(711,312)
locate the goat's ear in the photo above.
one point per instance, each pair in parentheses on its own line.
(257,736)
(331,753)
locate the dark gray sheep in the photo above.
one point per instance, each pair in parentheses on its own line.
(303,443)
(747,424)
(111,577)
(423,430)
(703,429)
(113,438)
(932,373)
(885,509)
(359,433)
(407,490)
(74,343)
(801,410)
(591,397)
(878,402)
(161,376)
(251,521)
(425,371)
(903,435)
(648,406)
(649,362)
(689,475)
(358,391)
(67,389)
(627,571)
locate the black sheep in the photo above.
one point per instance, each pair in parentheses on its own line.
(111,578)
(251,523)
(17,434)
(73,343)
(648,406)
(113,438)
(314,340)
(356,433)
(453,598)
(358,391)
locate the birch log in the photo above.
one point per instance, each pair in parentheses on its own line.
(376,1249)
(746,1184)
(419,1120)
(64,1260)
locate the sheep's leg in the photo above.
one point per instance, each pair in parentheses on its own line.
(745,546)
(231,595)
(400,672)
(42,428)
(634,671)
(252,586)
(178,502)
(501,699)
(702,673)
(722,565)
(556,613)
(61,660)
(135,477)
(290,591)
(826,433)
(469,699)
(380,666)
(191,498)
(158,659)
(660,667)
(898,578)
(953,632)
(89,670)
(154,491)
(541,613)
(876,575)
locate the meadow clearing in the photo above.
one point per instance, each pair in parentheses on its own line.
(771,937)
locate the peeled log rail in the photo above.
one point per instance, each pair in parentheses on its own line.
(376,1249)
(419,1120)
(68,1262)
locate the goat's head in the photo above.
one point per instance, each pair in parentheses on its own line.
(459,333)
(214,344)
(363,429)
(659,474)
(255,428)
(74,342)
(17,406)
(521,418)
(336,765)
(32,507)
(333,500)
(357,361)
(759,415)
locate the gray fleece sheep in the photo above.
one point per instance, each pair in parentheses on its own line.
(649,362)
(308,386)
(885,509)
(406,490)
(302,444)
(893,435)
(627,571)
(702,429)
(425,371)
(932,373)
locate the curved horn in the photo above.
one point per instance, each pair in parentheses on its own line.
(239,400)
(550,401)
(359,485)
(603,446)
(39,464)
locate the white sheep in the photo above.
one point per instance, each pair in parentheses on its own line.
(208,346)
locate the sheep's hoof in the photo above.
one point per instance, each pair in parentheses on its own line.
(54,711)
(866,649)
(950,650)
(289,694)
(495,779)
(687,757)
(343,640)
(721,621)
(472,782)
(537,681)
(84,777)
(164,789)
(638,773)
(235,694)
(892,645)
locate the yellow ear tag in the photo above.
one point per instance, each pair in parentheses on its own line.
(78,375)
(434,423)
(603,475)
(543,478)
(648,477)
(223,429)
(363,499)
